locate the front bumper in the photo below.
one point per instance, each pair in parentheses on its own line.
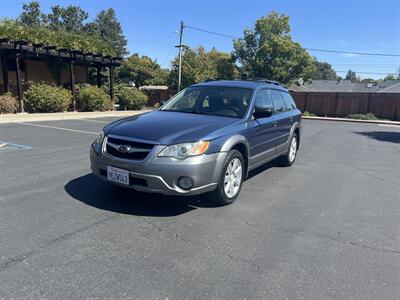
(161,174)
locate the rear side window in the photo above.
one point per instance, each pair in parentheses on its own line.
(290,104)
(277,101)
(263,99)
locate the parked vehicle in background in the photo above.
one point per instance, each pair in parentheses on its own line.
(205,139)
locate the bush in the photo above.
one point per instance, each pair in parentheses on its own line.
(130,98)
(8,104)
(308,114)
(368,116)
(46,98)
(93,98)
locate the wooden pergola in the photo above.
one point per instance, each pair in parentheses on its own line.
(17,50)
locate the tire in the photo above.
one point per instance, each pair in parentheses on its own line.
(289,158)
(230,184)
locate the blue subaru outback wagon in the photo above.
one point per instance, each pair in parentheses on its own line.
(205,139)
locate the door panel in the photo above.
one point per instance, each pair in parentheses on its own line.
(262,132)
(284,119)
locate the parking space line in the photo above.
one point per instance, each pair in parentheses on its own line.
(59,128)
(96,121)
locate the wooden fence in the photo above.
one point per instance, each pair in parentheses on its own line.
(382,105)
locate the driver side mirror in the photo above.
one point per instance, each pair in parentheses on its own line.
(262,112)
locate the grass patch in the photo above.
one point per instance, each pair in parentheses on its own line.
(308,114)
(368,116)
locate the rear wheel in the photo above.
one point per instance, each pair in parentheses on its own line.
(288,159)
(231,180)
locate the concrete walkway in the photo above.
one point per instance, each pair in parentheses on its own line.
(36,117)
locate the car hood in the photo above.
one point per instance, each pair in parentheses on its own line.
(168,127)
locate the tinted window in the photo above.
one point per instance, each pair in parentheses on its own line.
(278,102)
(211,100)
(263,99)
(290,104)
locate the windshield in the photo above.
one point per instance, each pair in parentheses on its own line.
(211,100)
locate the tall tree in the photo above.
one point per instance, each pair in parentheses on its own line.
(31,15)
(71,18)
(141,70)
(107,26)
(198,65)
(323,71)
(268,51)
(351,75)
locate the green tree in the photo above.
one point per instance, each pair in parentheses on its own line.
(198,65)
(141,70)
(268,51)
(323,71)
(351,75)
(71,18)
(107,26)
(31,15)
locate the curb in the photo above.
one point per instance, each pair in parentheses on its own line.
(352,120)
(36,117)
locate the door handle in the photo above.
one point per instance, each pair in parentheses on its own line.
(275,124)
(291,120)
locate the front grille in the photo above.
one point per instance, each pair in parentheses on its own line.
(143,149)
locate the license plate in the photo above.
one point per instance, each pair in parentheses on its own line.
(118,175)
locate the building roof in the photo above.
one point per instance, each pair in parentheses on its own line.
(347,86)
(153,87)
(39,51)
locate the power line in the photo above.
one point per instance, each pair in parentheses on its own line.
(309,49)
(352,52)
(213,32)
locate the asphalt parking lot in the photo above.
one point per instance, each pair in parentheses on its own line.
(328,227)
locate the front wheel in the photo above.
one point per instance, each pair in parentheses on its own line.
(288,159)
(231,180)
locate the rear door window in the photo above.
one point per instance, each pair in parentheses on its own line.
(277,101)
(290,104)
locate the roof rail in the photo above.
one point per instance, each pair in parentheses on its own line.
(256,79)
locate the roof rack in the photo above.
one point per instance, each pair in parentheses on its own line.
(255,79)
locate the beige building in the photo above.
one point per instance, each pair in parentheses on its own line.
(39,71)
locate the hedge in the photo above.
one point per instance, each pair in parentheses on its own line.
(130,98)
(93,98)
(46,98)
(8,104)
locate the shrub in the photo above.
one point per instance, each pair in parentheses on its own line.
(130,98)
(46,98)
(368,116)
(8,104)
(308,114)
(93,98)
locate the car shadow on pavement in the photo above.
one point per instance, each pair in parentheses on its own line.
(383,136)
(100,194)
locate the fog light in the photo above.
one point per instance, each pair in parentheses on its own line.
(185,183)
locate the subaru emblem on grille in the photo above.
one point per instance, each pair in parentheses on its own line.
(124,148)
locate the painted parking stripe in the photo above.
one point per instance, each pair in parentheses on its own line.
(389,125)
(95,121)
(58,128)
(4,146)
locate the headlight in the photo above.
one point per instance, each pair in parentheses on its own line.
(184,150)
(100,138)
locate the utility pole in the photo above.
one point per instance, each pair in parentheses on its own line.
(180,46)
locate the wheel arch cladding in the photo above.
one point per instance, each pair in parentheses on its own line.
(240,144)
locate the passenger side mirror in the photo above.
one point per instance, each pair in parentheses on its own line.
(262,112)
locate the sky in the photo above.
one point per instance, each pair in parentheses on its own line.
(151,26)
